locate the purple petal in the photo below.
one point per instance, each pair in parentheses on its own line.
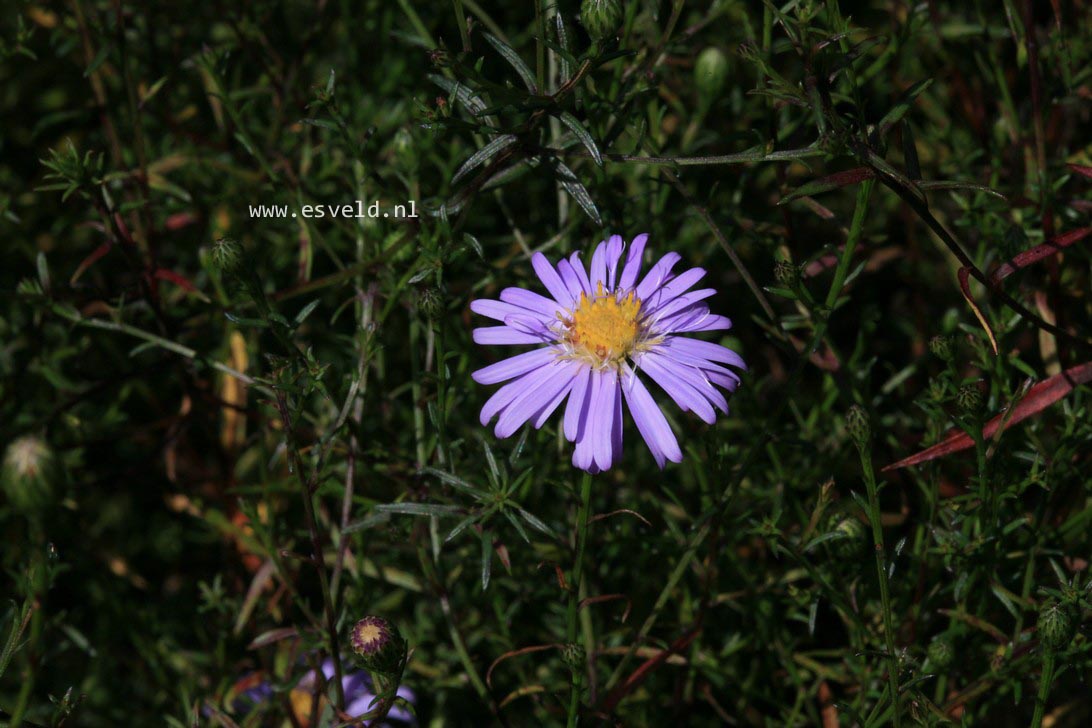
(543,414)
(570,279)
(549,381)
(676,287)
(633,262)
(650,421)
(504,335)
(597,273)
(679,303)
(724,379)
(696,321)
(576,409)
(526,323)
(704,350)
(509,392)
(616,430)
(688,398)
(615,246)
(551,280)
(514,366)
(657,275)
(531,301)
(499,310)
(691,375)
(605,385)
(581,273)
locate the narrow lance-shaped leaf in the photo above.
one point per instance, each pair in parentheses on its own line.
(582,134)
(578,192)
(831,182)
(564,70)
(1045,250)
(483,155)
(515,61)
(899,110)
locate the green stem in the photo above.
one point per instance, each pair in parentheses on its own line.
(1044,689)
(574,592)
(881,573)
(460,20)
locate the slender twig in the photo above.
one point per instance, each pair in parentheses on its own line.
(317,559)
(881,573)
(574,595)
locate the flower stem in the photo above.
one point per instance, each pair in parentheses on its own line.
(881,573)
(574,592)
(1044,689)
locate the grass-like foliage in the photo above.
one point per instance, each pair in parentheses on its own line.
(244,478)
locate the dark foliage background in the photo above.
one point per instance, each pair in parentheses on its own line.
(156,547)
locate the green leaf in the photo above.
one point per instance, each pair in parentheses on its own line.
(372,519)
(899,110)
(582,134)
(483,155)
(516,62)
(572,185)
(536,523)
(487,557)
(456,482)
(302,315)
(419,509)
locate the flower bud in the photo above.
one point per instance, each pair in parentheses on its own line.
(1057,625)
(29,474)
(850,537)
(574,656)
(857,425)
(786,273)
(431,303)
(969,399)
(940,653)
(601,18)
(941,347)
(710,74)
(227,255)
(379,648)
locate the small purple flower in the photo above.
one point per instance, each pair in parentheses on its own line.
(599,328)
(255,690)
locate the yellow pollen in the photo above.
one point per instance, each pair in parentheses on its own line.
(604,328)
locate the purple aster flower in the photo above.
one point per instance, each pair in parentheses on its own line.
(255,690)
(600,327)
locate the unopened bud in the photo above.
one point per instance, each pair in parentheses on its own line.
(710,74)
(601,18)
(574,656)
(379,647)
(941,347)
(227,255)
(857,425)
(969,399)
(786,273)
(1056,626)
(29,474)
(850,536)
(940,653)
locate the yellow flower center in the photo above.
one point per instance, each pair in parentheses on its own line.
(604,328)
(369,633)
